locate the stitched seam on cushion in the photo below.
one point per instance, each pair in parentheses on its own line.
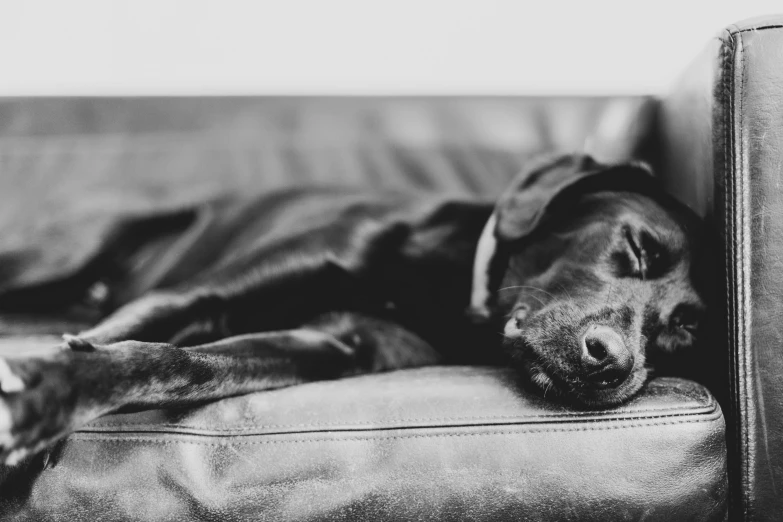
(728,193)
(738,256)
(755,29)
(348,425)
(731,271)
(521,420)
(729,227)
(78,437)
(743,308)
(574,415)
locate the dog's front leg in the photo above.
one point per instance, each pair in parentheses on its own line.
(44,399)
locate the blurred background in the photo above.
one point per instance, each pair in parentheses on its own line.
(354,47)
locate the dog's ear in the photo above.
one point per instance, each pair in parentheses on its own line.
(537,192)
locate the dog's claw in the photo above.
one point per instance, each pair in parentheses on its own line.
(9,381)
(45,460)
(77,344)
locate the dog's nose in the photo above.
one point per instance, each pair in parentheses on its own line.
(606,359)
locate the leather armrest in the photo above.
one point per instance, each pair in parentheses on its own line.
(431,443)
(721,131)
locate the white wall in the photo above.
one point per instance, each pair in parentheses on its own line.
(354,46)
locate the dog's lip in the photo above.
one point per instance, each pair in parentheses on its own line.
(536,367)
(578,390)
(613,396)
(610,396)
(603,384)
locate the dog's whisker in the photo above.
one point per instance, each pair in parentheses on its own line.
(526,287)
(565,290)
(541,301)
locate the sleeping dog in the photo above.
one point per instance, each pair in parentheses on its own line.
(578,276)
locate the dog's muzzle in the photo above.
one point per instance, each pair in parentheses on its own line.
(606,359)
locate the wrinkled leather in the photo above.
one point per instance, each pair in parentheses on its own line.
(723,150)
(444,442)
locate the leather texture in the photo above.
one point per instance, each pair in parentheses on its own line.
(451,443)
(431,443)
(722,151)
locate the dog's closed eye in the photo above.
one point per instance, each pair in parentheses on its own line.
(639,257)
(642,257)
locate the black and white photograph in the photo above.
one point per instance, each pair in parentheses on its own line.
(433,260)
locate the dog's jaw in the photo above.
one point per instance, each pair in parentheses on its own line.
(543,374)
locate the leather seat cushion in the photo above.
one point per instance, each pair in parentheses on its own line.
(454,442)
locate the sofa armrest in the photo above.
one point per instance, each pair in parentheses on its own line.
(721,132)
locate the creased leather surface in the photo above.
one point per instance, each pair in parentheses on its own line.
(723,135)
(443,442)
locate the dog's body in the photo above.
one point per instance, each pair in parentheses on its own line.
(304,285)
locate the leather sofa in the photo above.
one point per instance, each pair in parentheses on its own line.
(432,443)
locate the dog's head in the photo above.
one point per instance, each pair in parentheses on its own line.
(594,271)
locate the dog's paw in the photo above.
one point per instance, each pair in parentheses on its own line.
(38,404)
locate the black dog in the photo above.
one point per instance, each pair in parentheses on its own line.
(581,272)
